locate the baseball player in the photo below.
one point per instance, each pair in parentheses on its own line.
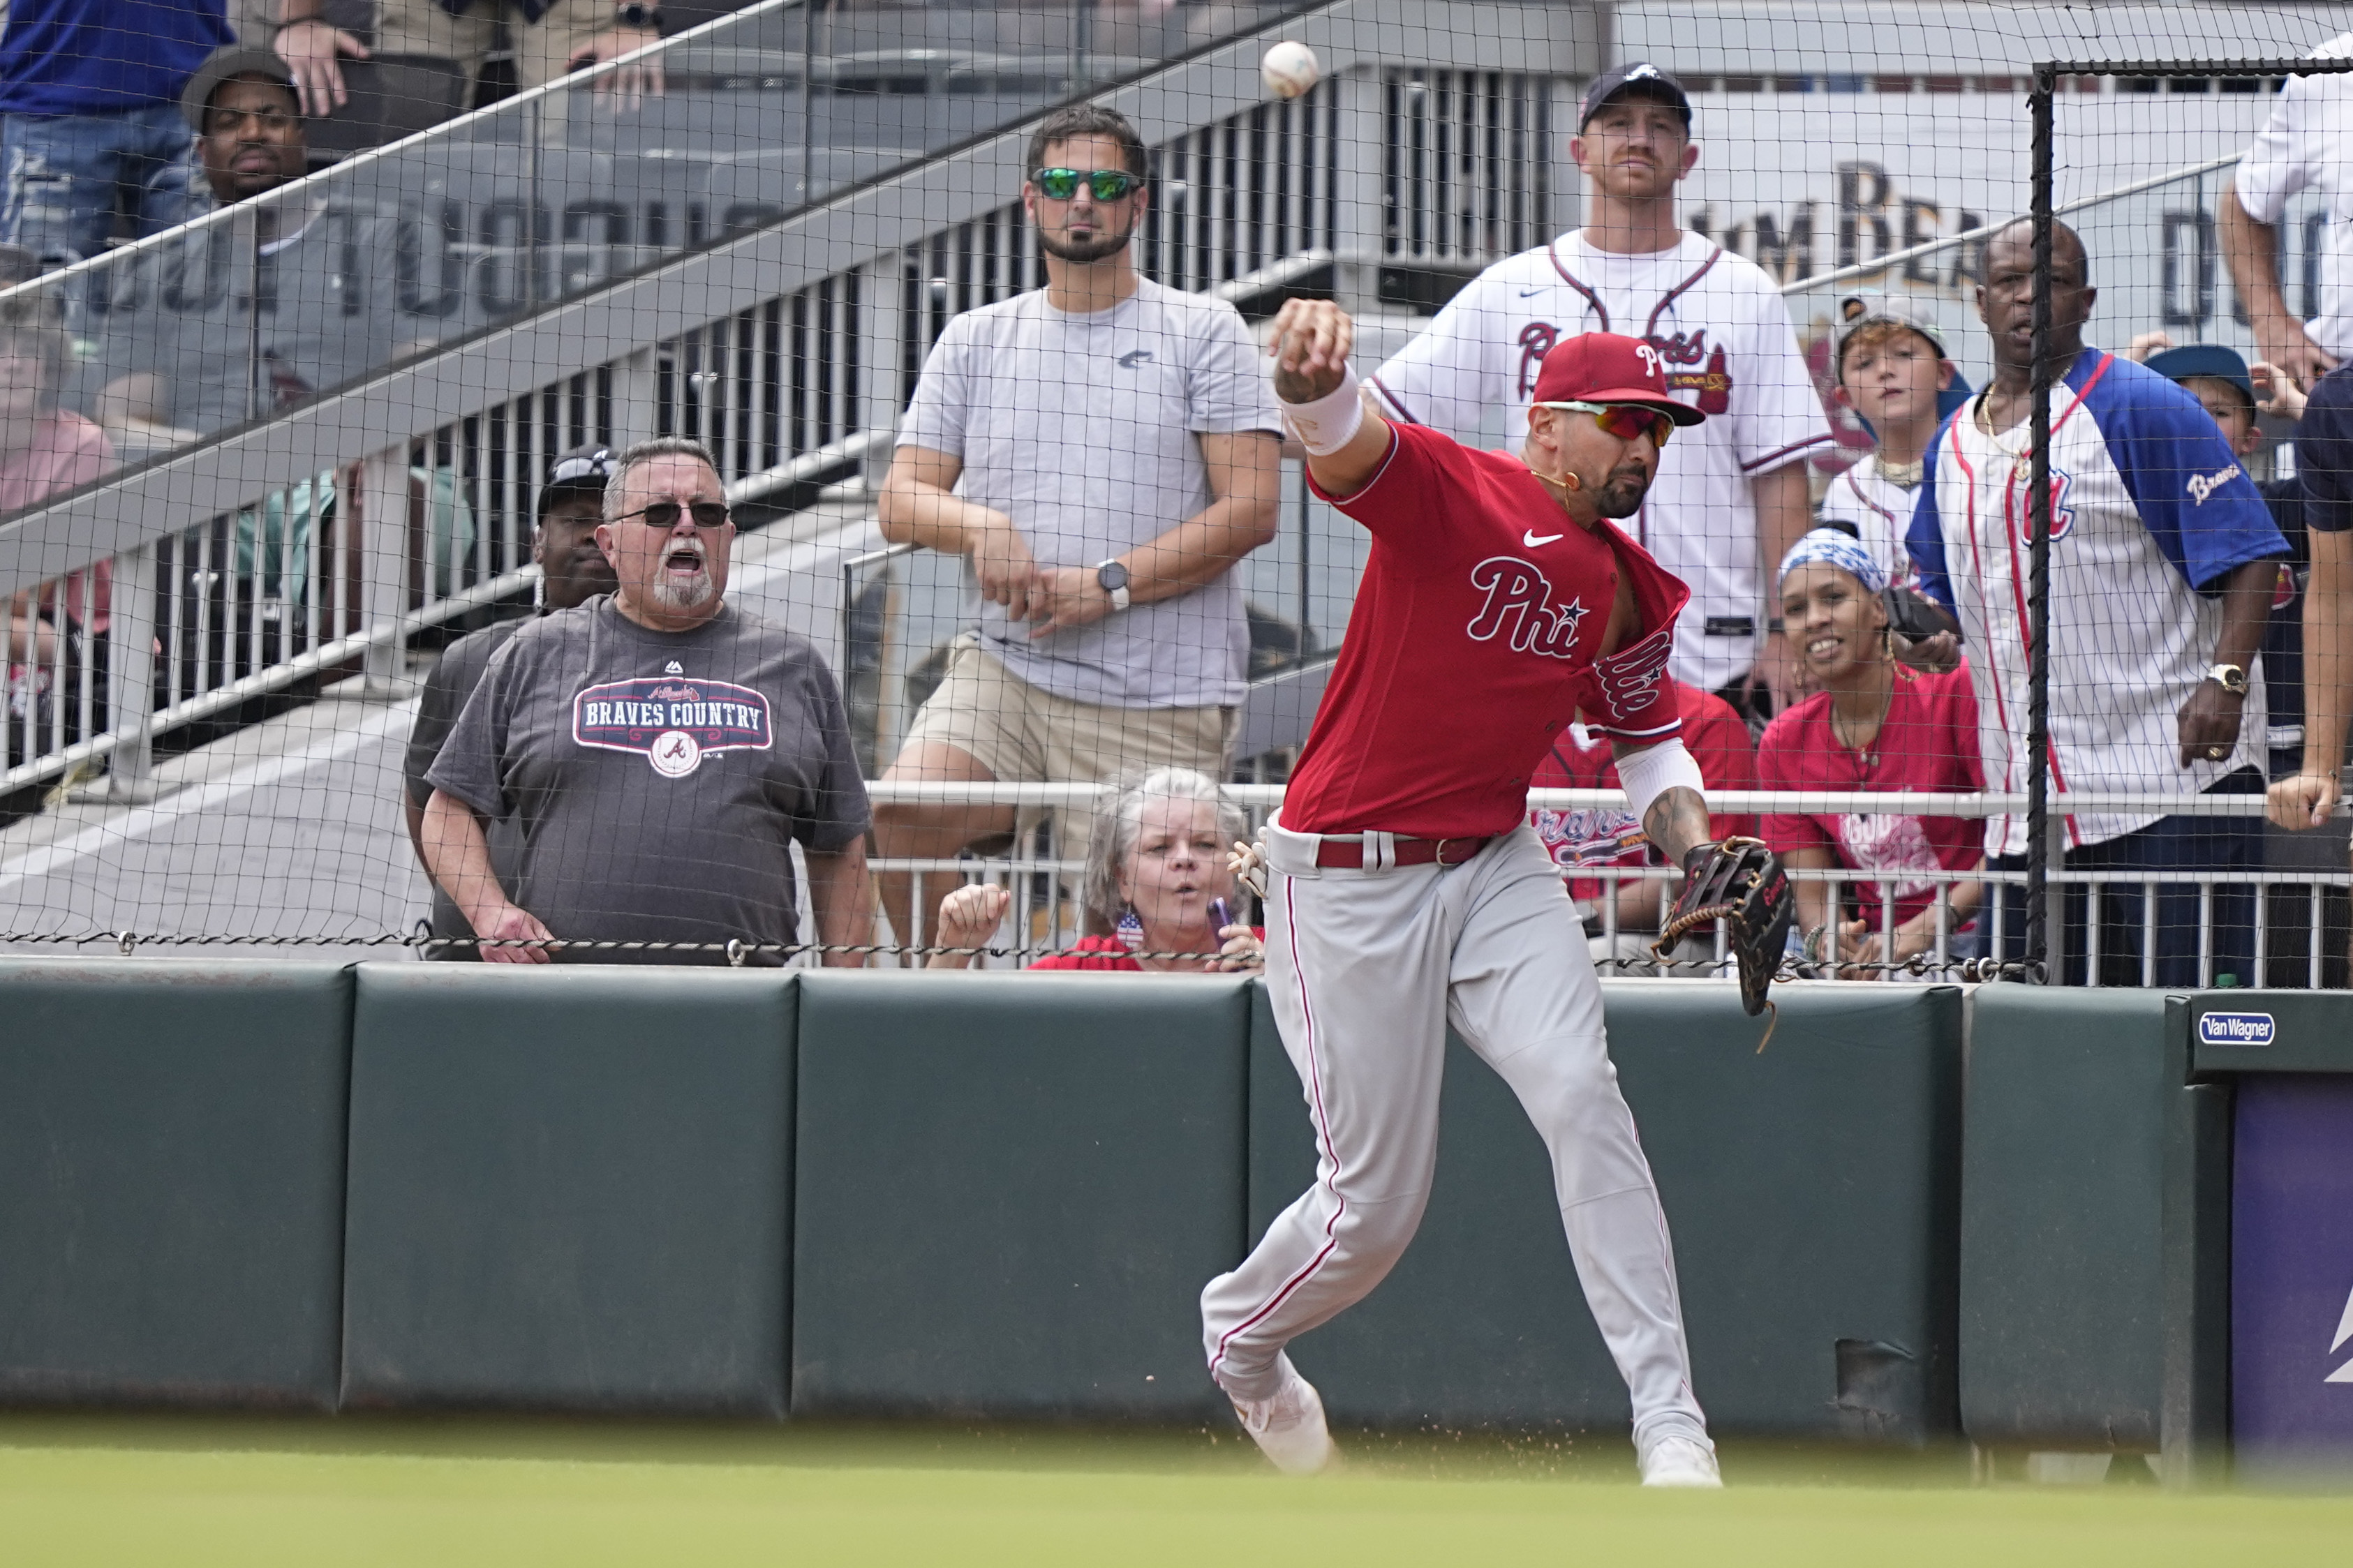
(1726,503)
(1405,888)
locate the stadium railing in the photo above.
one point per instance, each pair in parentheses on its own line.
(788,347)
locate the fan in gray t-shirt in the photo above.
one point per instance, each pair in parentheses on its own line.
(1085,429)
(658,778)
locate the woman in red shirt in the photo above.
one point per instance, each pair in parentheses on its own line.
(1871,724)
(1155,874)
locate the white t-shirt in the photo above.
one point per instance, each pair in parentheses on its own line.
(2307,145)
(1725,331)
(1878,510)
(1081,428)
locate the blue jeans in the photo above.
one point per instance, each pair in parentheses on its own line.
(2174,845)
(62,177)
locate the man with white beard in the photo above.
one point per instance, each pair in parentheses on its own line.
(661,752)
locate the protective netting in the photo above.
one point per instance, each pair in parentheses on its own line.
(308,425)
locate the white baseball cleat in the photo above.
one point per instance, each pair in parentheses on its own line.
(1288,1426)
(1676,1460)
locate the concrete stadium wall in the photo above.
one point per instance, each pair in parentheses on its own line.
(768,1194)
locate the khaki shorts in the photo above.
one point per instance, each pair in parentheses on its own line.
(1024,734)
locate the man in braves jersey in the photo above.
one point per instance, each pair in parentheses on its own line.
(659,752)
(1406,888)
(1584,839)
(2163,559)
(1729,502)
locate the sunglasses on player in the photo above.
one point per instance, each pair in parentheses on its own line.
(1623,420)
(664,514)
(1107,184)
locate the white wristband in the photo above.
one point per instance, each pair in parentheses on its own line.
(1329,423)
(1649,774)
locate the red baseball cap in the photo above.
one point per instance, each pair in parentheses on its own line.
(1606,367)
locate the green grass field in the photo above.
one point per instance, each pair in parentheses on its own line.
(142,1489)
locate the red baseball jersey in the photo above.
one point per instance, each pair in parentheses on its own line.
(1928,742)
(1474,642)
(1611,835)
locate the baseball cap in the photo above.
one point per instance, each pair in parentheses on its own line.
(1606,367)
(581,471)
(1640,79)
(2204,359)
(1860,311)
(219,66)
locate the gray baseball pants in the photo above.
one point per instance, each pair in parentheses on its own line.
(1364,969)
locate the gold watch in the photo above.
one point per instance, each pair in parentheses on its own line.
(2230,678)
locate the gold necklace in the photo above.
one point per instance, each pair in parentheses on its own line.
(2021,457)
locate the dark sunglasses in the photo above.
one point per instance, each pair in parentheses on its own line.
(1108,184)
(1625,421)
(664,514)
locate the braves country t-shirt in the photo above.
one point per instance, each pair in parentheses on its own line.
(1474,640)
(1724,332)
(658,779)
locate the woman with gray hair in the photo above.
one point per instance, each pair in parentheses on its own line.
(1155,874)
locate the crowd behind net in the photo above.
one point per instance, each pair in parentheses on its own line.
(267,467)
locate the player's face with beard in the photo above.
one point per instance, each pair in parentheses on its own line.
(1616,474)
(1083,229)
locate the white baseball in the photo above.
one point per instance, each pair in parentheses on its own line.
(1289,68)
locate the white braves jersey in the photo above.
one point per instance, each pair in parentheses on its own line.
(1878,510)
(2148,506)
(1730,351)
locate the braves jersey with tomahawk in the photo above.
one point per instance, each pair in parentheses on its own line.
(1474,640)
(2150,510)
(1877,510)
(1723,331)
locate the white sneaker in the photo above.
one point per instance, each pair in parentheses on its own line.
(1676,1460)
(1288,1426)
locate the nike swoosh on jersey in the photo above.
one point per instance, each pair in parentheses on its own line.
(1530,293)
(1530,539)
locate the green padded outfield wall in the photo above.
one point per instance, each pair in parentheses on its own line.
(171,1181)
(1812,1190)
(570,1189)
(1011,1189)
(2063,1265)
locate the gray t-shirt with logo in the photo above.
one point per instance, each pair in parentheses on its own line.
(658,778)
(1081,429)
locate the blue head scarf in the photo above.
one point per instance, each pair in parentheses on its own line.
(1834,548)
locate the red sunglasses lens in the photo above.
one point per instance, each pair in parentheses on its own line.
(1626,424)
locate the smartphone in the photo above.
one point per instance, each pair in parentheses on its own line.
(1220,914)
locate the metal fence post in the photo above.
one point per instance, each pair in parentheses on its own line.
(379,540)
(130,677)
(1358,232)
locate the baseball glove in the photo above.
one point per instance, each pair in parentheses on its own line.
(1740,882)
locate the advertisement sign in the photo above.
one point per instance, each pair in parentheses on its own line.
(1807,184)
(2292,1269)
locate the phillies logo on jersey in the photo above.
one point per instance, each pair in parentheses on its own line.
(1519,594)
(1630,676)
(673,723)
(1537,340)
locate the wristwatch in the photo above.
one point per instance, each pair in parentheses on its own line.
(2230,678)
(637,15)
(1113,578)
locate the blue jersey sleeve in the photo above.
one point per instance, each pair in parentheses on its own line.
(2324,453)
(1925,540)
(2192,493)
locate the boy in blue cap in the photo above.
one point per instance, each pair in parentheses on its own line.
(2228,388)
